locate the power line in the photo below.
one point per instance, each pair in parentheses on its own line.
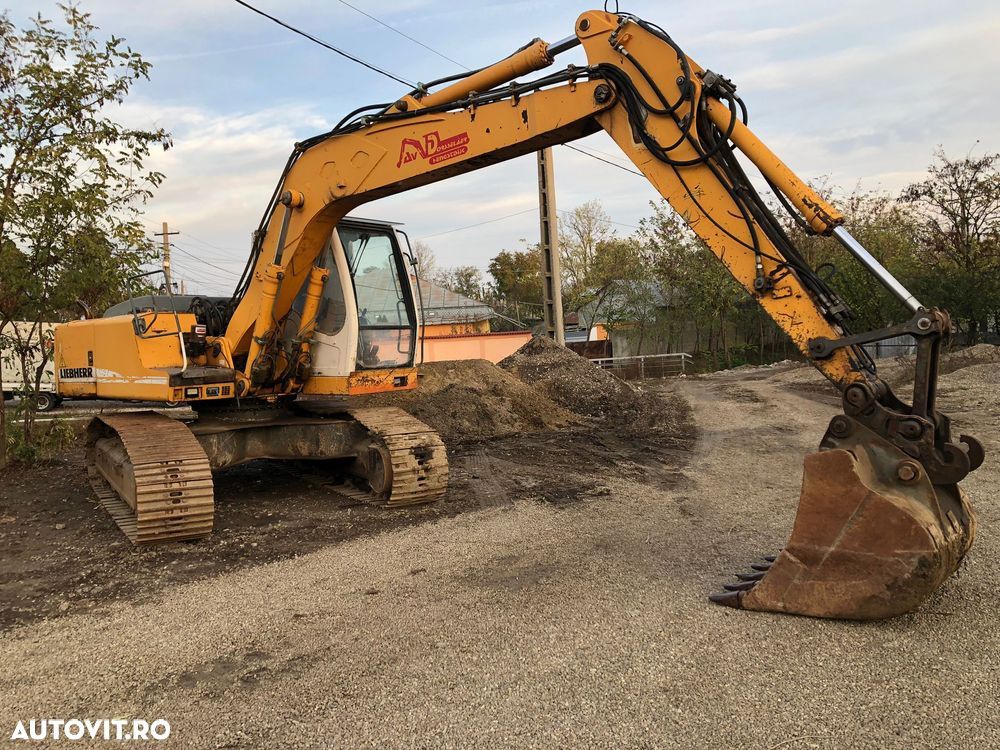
(214,247)
(202,260)
(208,274)
(408,83)
(394,77)
(197,276)
(445,57)
(630,226)
(328,46)
(510,216)
(405,36)
(202,275)
(594,156)
(209,279)
(471,226)
(200,241)
(217,258)
(613,157)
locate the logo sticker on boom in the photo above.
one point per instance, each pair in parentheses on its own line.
(432,148)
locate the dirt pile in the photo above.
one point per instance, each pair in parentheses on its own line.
(542,386)
(475,400)
(569,379)
(575,383)
(975,389)
(899,370)
(986,376)
(980,354)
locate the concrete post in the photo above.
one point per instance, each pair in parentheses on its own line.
(548,220)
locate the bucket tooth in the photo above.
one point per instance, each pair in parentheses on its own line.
(728,599)
(741,586)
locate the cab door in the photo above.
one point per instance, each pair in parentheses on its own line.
(387,315)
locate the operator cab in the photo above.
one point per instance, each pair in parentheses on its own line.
(371,283)
(369,314)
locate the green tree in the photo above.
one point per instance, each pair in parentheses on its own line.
(699,289)
(517,275)
(666,248)
(72,180)
(515,289)
(958,205)
(615,268)
(465,280)
(635,301)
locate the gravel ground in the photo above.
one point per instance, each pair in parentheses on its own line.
(534,625)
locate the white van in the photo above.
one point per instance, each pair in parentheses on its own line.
(47,398)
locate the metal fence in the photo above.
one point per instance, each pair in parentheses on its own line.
(894,347)
(646,365)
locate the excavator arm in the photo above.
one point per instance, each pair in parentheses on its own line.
(881,521)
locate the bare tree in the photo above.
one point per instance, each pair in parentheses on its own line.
(425,259)
(581,234)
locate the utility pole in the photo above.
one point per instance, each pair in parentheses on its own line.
(549,245)
(166,255)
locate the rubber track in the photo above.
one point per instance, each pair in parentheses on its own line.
(419,458)
(174,489)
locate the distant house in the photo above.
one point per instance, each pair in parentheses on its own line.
(623,322)
(592,342)
(458,327)
(448,313)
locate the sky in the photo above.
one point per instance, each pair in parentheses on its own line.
(858,93)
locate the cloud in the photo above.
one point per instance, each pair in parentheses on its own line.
(156,59)
(743,38)
(915,52)
(219,175)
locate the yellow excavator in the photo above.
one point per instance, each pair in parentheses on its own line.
(326,307)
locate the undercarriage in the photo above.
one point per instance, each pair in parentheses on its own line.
(153,474)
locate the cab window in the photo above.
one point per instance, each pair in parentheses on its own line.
(386,321)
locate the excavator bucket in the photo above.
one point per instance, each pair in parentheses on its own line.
(873,537)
